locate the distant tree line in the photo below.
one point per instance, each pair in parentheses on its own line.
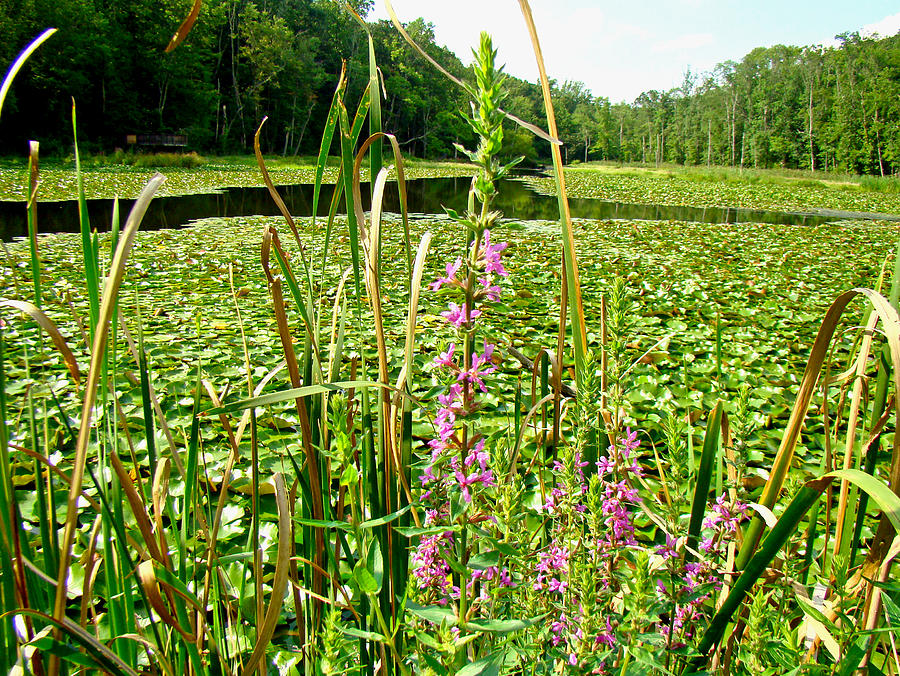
(804,107)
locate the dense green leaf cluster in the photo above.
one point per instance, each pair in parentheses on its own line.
(830,108)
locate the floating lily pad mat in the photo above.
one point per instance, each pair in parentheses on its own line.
(768,285)
(675,190)
(125,182)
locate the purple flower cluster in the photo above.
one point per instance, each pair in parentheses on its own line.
(622,456)
(459,463)
(552,570)
(492,574)
(432,572)
(697,580)
(618,496)
(602,511)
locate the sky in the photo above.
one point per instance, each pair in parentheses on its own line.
(620,49)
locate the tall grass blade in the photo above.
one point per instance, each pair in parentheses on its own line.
(88,244)
(704,478)
(331,121)
(185,27)
(33,172)
(576,306)
(375,154)
(16,66)
(98,352)
(781,465)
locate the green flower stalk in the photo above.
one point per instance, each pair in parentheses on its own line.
(487,122)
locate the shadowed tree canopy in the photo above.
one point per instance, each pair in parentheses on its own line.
(835,108)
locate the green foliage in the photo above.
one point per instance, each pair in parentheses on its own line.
(246,499)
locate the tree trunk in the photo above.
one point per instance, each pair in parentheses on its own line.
(812,155)
(878,144)
(743,148)
(303,130)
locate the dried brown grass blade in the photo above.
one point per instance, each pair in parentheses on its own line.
(890,323)
(50,329)
(146,574)
(276,197)
(851,458)
(185,27)
(279,583)
(290,357)
(98,354)
(570,263)
(138,508)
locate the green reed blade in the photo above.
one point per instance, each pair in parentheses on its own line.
(786,526)
(111,290)
(8,600)
(37,593)
(882,386)
(352,224)
(704,478)
(359,117)
(33,147)
(191,473)
(374,89)
(331,122)
(88,244)
(890,324)
(355,130)
(146,400)
(300,301)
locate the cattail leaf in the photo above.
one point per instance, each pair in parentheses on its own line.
(20,61)
(280,580)
(50,328)
(185,27)
(704,478)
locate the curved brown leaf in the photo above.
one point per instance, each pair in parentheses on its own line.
(185,27)
(50,328)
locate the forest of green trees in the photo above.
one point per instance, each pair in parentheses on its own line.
(834,108)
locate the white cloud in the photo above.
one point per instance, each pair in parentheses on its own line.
(888,26)
(683,42)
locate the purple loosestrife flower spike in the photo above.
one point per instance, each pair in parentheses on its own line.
(452,269)
(457,315)
(490,255)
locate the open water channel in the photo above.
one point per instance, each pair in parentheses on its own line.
(425,196)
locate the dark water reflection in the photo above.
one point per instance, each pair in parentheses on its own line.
(426,196)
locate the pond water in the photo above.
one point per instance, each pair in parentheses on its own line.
(426,196)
